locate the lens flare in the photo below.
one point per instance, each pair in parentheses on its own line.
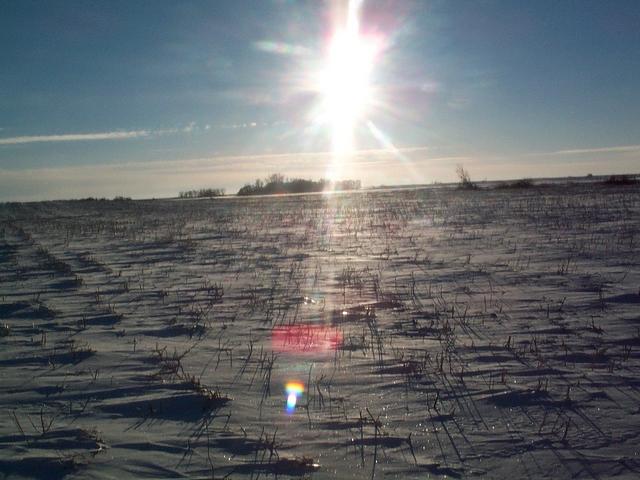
(306,339)
(294,390)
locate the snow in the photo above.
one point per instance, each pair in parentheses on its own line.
(490,333)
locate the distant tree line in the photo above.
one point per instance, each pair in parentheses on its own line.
(203,193)
(278,184)
(118,198)
(621,180)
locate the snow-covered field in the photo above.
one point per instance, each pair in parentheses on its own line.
(434,333)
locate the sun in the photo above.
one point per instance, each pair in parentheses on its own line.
(345,81)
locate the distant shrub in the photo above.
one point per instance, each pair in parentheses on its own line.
(465,179)
(621,180)
(518,184)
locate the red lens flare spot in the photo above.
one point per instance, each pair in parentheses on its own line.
(306,339)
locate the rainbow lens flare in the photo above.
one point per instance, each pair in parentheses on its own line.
(293,391)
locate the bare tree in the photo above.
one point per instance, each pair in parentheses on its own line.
(465,178)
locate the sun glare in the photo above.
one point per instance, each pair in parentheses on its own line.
(345,81)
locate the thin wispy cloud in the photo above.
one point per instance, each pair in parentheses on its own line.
(190,127)
(281,48)
(241,125)
(75,137)
(614,149)
(87,137)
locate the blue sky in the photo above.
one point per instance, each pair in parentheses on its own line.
(148,98)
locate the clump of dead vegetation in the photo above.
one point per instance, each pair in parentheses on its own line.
(5,330)
(171,366)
